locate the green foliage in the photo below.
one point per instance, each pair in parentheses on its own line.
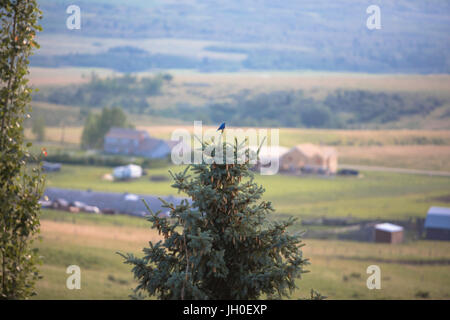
(219,245)
(38,128)
(20,189)
(97,125)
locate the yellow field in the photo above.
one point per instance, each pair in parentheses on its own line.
(270,80)
(63,76)
(292,136)
(426,157)
(317,83)
(414,149)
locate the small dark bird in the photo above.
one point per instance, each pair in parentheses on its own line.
(222,127)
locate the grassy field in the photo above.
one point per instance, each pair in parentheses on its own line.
(337,270)
(375,195)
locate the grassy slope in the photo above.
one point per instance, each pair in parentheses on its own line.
(91,243)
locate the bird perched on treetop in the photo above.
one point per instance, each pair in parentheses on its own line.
(222,127)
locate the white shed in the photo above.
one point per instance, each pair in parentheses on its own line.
(389,233)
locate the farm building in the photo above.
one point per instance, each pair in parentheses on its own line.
(130,171)
(109,202)
(437,223)
(135,143)
(310,158)
(388,233)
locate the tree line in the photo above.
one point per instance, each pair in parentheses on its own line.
(128,91)
(340,109)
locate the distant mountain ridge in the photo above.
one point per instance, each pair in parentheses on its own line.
(314,35)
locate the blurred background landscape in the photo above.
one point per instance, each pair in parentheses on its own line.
(380,98)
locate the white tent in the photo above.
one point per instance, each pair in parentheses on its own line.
(127,172)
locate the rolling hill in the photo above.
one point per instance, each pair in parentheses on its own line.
(234,35)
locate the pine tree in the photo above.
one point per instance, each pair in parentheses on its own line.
(220,244)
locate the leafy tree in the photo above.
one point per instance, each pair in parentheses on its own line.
(20,189)
(97,125)
(220,244)
(38,128)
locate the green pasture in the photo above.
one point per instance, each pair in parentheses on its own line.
(373,195)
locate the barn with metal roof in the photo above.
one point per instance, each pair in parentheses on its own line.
(437,223)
